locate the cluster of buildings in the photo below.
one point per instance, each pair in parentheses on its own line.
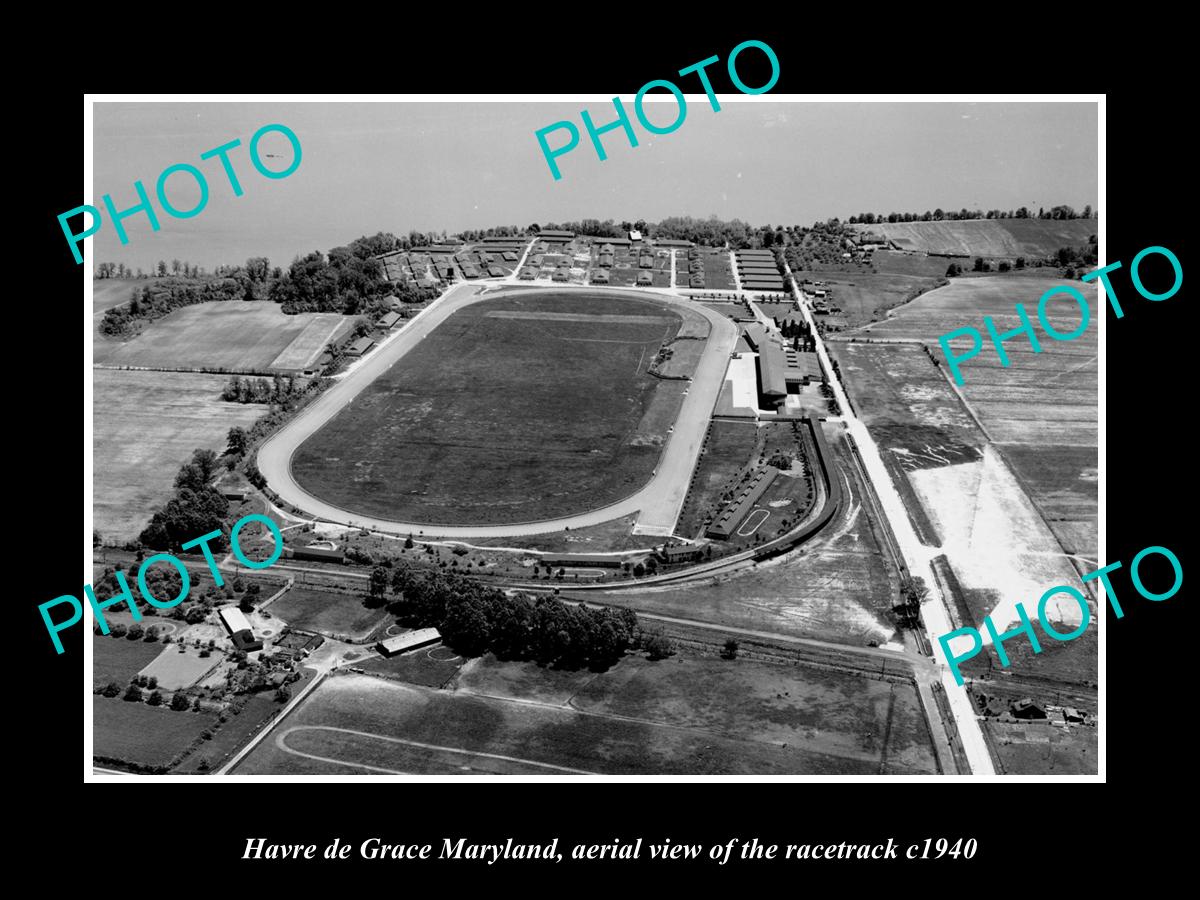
(781,369)
(439,264)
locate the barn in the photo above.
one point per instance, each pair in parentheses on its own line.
(239,629)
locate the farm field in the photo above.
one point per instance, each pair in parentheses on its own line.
(328,613)
(119,659)
(864,298)
(146,425)
(1042,410)
(110,292)
(143,735)
(639,717)
(517,409)
(237,729)
(1063,482)
(1036,748)
(836,587)
(226,335)
(990,237)
(913,414)
(889,262)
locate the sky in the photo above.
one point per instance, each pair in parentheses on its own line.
(369,167)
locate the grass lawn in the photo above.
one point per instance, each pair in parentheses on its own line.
(683,715)
(175,670)
(430,666)
(504,414)
(146,425)
(327,613)
(119,659)
(727,449)
(143,735)
(225,335)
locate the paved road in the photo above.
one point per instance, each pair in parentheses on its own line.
(916,554)
(658,502)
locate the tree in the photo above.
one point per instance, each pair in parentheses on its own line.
(980,264)
(133,694)
(283,694)
(730,650)
(1020,263)
(238,440)
(155,698)
(659,647)
(379,581)
(111,689)
(639,570)
(913,593)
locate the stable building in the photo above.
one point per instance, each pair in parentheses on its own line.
(359,347)
(239,629)
(583,560)
(410,640)
(318,551)
(728,521)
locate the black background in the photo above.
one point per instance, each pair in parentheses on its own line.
(1025,830)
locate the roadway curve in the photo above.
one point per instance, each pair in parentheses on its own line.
(658,501)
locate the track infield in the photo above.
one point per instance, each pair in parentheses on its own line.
(476,422)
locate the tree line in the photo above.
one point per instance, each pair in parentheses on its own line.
(195,509)
(475,619)
(245,390)
(939,215)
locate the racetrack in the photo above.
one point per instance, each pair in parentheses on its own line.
(658,501)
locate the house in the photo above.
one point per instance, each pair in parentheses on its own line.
(645,279)
(600,277)
(359,347)
(697,281)
(646,262)
(388,320)
(561,275)
(681,553)
(1027,709)
(469,270)
(393,303)
(606,260)
(496,272)
(410,640)
(528,274)
(238,626)
(509,256)
(635,236)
